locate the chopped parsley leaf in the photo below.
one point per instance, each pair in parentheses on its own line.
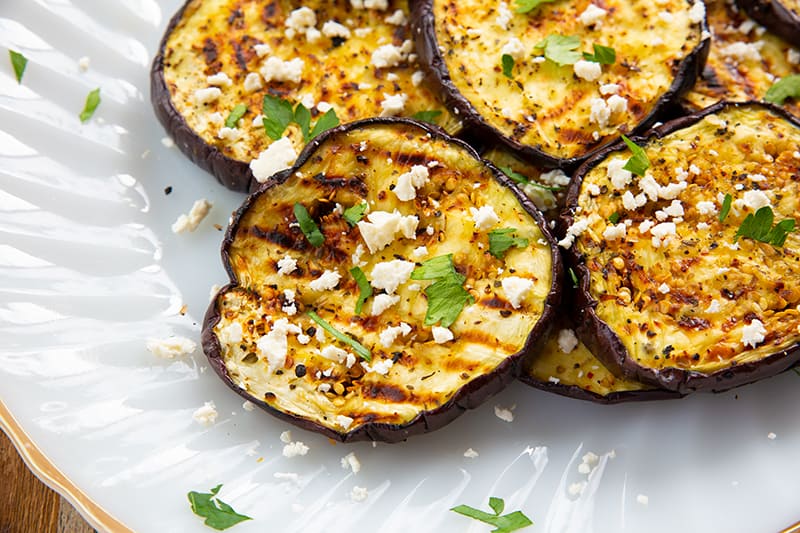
(359,348)
(561,49)
(638,162)
(218,514)
(502,523)
(573,277)
(500,240)
(604,55)
(92,101)
(614,217)
(324,123)
(447,295)
(364,288)
(355,213)
(524,6)
(508,65)
(786,87)
(19,62)
(277,116)
(759,227)
(726,207)
(523,180)
(308,226)
(236,113)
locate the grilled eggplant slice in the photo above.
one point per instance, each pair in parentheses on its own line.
(291,273)
(220,54)
(743,63)
(567,367)
(782,17)
(676,286)
(511,75)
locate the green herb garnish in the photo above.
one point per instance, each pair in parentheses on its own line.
(308,226)
(502,523)
(508,65)
(561,49)
(302,117)
(218,514)
(19,62)
(359,348)
(236,113)
(92,101)
(758,227)
(278,115)
(726,207)
(524,6)
(324,123)
(638,162)
(447,295)
(364,288)
(573,277)
(602,54)
(428,116)
(614,217)
(787,87)
(500,240)
(523,180)
(355,213)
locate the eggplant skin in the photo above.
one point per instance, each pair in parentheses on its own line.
(743,63)
(715,288)
(781,17)
(544,113)
(491,336)
(209,37)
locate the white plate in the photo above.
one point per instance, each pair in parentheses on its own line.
(89,269)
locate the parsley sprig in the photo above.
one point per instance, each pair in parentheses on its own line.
(18,62)
(726,207)
(278,114)
(354,213)
(308,226)
(604,55)
(500,240)
(357,347)
(508,65)
(364,288)
(759,227)
(236,113)
(786,87)
(446,295)
(639,162)
(501,523)
(92,101)
(523,180)
(561,49)
(218,514)
(525,6)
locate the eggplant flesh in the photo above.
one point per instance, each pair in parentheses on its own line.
(782,17)
(744,61)
(553,112)
(414,382)
(669,295)
(244,49)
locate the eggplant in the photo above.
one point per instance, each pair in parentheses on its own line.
(743,63)
(523,79)
(565,366)
(219,54)
(411,208)
(677,286)
(781,17)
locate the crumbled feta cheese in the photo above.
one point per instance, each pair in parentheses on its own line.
(275,69)
(171,347)
(609,88)
(390,334)
(753,333)
(216,118)
(262,50)
(576,488)
(771,436)
(380,367)
(620,178)
(381,227)
(599,112)
(484,217)
(755,200)
(278,156)
(417,77)
(577,227)
(286,265)
(389,275)
(324,107)
(274,345)
(393,104)
(327,281)
(705,207)
(470,453)
(587,70)
(567,340)
(332,353)
(674,209)
(554,177)
(206,415)
(382,302)
(617,104)
(300,21)
(409,182)
(252,82)
(613,233)
(441,335)
(631,202)
(741,51)
(419,252)
(206,95)
(663,230)
(190,221)
(503,15)
(333,29)
(220,79)
(503,413)
(350,461)
(514,48)
(702,226)
(697,13)
(286,437)
(356,256)
(380,5)
(229,134)
(713,307)
(359,494)
(516,289)
(387,56)
(642,499)
(592,15)
(645,226)
(293,449)
(167,142)
(83,63)
(584,468)
(248,405)
(398,18)
(793,56)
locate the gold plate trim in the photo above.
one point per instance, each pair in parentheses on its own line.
(51,476)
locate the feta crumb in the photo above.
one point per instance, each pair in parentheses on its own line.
(248,405)
(228,134)
(381,367)
(327,281)
(554,177)
(398,18)
(286,265)
(592,15)
(333,29)
(206,95)
(613,233)
(771,436)
(389,275)
(278,156)
(417,77)
(193,219)
(620,178)
(516,289)
(300,21)
(753,333)
(387,56)
(293,449)
(393,104)
(262,49)
(576,488)
(503,15)
(83,63)
(382,302)
(503,413)
(705,207)
(577,227)
(390,334)
(470,453)
(484,217)
(587,70)
(216,118)
(220,79)
(351,462)
(567,340)
(741,51)
(755,200)
(697,13)
(617,104)
(252,82)
(381,227)
(359,494)
(793,56)
(584,468)
(409,182)
(441,335)
(206,415)
(514,48)
(599,112)
(167,142)
(171,347)
(642,499)
(609,88)
(275,69)
(380,5)
(419,252)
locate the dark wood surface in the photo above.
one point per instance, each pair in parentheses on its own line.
(27,505)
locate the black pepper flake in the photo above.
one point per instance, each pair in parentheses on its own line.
(300,370)
(168,189)
(311,331)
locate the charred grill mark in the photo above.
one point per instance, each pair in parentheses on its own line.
(293,242)
(241,61)
(386,391)
(268,15)
(411,159)
(694,322)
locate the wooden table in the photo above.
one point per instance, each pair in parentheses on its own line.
(27,505)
